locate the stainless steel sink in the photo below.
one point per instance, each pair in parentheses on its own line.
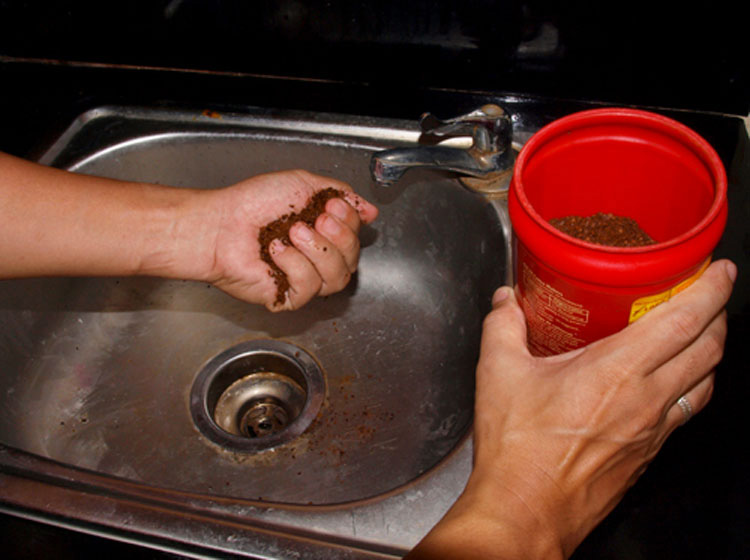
(99,374)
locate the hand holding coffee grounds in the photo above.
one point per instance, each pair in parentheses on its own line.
(604,229)
(279,229)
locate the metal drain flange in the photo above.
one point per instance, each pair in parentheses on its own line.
(257,395)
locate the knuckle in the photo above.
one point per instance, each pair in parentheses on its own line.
(348,242)
(352,264)
(492,320)
(708,350)
(725,288)
(644,424)
(337,282)
(685,323)
(304,175)
(497,319)
(711,351)
(343,280)
(617,372)
(304,283)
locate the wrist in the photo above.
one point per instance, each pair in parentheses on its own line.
(177,234)
(515,519)
(490,521)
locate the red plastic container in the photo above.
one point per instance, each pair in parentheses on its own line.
(624,162)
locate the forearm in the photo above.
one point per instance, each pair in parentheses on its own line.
(60,223)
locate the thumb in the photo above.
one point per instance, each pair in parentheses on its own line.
(504,328)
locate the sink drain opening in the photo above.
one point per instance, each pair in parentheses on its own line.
(257,395)
(259,404)
(264,418)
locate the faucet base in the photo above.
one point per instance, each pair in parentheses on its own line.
(497,185)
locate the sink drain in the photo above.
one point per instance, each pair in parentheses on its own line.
(257,395)
(259,404)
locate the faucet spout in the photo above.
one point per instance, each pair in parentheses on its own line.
(389,166)
(489,160)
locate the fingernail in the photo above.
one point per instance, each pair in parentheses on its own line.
(731,271)
(501,294)
(338,208)
(356,202)
(302,232)
(276,247)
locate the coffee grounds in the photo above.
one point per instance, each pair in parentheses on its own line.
(279,229)
(604,229)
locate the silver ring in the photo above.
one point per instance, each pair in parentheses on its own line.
(686,407)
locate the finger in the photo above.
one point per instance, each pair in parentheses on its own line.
(504,329)
(344,213)
(367,212)
(697,398)
(326,257)
(688,368)
(342,239)
(673,325)
(304,280)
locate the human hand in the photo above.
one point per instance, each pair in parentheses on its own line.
(559,440)
(319,261)
(58,223)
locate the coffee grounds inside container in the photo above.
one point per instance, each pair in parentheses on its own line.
(604,229)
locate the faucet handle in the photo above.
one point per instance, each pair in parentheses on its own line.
(489,126)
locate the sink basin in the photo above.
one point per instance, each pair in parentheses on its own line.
(98,396)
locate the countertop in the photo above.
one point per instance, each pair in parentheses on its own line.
(692,502)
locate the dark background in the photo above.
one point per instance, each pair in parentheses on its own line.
(398,59)
(657,53)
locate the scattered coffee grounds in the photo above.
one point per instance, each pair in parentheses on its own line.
(604,229)
(279,229)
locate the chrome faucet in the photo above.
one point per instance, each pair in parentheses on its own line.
(486,166)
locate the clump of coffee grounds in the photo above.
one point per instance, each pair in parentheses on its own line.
(279,229)
(604,229)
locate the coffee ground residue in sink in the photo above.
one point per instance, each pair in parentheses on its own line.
(604,229)
(279,229)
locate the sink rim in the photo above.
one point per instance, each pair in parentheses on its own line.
(47,491)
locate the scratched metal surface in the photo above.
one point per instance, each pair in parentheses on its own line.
(98,371)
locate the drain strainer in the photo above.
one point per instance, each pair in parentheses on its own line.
(257,395)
